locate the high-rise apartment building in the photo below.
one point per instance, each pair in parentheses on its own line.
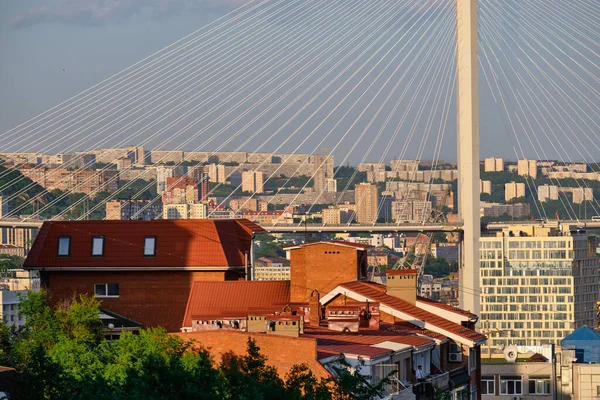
(493,164)
(538,284)
(216,173)
(366,200)
(527,168)
(513,190)
(547,192)
(322,169)
(485,187)
(252,181)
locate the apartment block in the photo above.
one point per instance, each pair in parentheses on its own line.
(538,283)
(248,203)
(181,190)
(133,209)
(252,181)
(493,164)
(493,210)
(485,187)
(582,194)
(185,211)
(527,168)
(513,190)
(216,173)
(547,193)
(366,199)
(404,165)
(373,171)
(322,169)
(411,210)
(88,181)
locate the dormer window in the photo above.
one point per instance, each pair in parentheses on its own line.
(97,246)
(64,246)
(150,246)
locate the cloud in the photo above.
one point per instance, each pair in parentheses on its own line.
(94,12)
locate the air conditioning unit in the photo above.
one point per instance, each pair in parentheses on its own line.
(455,357)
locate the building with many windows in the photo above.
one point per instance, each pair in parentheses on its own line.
(252,181)
(538,282)
(367,201)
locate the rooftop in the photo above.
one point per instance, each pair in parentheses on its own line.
(183,244)
(376,292)
(214,299)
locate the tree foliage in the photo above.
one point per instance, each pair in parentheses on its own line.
(61,353)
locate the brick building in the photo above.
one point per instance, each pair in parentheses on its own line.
(142,270)
(327,311)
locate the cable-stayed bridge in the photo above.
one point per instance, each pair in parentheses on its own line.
(367,81)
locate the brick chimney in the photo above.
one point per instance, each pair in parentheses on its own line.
(315,308)
(402,283)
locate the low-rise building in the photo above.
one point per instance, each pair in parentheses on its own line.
(271,269)
(142,270)
(9,311)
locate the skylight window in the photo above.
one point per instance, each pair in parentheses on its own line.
(150,246)
(97,246)
(64,245)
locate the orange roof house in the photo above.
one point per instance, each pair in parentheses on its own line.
(143,270)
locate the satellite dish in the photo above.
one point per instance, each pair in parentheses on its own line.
(510,353)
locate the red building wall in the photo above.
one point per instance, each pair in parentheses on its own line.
(152,298)
(282,352)
(322,267)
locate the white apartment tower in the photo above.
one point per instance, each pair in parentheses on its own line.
(485,187)
(493,164)
(513,190)
(366,200)
(527,168)
(538,284)
(252,181)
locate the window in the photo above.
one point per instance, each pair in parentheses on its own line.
(488,386)
(539,385)
(150,246)
(97,246)
(64,245)
(511,385)
(106,289)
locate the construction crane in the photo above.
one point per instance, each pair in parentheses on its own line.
(416,257)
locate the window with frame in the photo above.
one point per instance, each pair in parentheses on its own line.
(150,246)
(488,385)
(511,385)
(64,246)
(97,246)
(106,289)
(539,385)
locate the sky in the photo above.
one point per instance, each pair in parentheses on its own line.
(50,50)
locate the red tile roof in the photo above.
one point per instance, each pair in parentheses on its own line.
(359,246)
(369,291)
(401,272)
(446,307)
(214,299)
(179,244)
(332,342)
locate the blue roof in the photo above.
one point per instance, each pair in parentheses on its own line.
(583,333)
